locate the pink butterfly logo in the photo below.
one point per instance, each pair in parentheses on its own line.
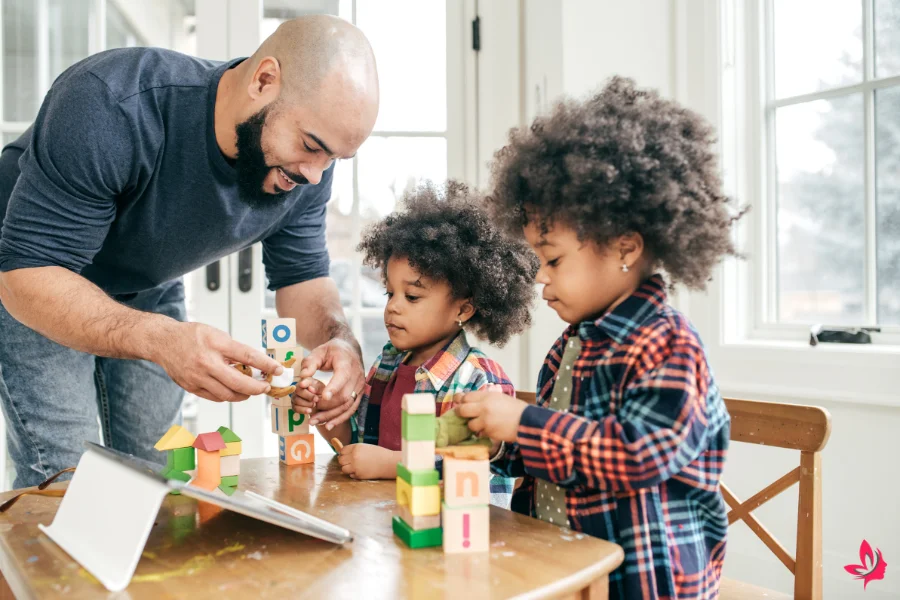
(871,564)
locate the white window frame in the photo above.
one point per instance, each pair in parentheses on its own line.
(749,50)
(747,362)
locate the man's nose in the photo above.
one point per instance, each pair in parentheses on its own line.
(313,171)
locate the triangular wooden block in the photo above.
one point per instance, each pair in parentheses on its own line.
(228,436)
(176,437)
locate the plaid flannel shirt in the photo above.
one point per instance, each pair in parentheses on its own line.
(640,451)
(457,369)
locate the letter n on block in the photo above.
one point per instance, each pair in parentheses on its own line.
(466,482)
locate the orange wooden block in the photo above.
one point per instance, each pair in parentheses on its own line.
(297,449)
(466,482)
(209,473)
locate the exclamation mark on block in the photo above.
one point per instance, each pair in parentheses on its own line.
(466,542)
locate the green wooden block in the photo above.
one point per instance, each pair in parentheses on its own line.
(229,490)
(180,459)
(230,481)
(228,436)
(423,538)
(419,477)
(175,474)
(417,428)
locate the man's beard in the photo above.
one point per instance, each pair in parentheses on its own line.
(251,166)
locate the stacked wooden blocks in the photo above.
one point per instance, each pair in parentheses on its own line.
(296,444)
(466,508)
(211,461)
(418,518)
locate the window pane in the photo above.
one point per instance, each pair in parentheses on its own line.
(887,165)
(887,38)
(412,67)
(339,227)
(20,86)
(821,230)
(275,12)
(70,24)
(374,337)
(119,32)
(817,48)
(10,137)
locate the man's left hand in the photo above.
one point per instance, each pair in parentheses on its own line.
(341,396)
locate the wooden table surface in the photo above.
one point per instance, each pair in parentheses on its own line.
(195,551)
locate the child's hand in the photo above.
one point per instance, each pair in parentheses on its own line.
(368,461)
(492,414)
(305,399)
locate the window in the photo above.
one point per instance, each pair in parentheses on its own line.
(409,144)
(824,235)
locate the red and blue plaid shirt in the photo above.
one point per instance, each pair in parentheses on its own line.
(639,452)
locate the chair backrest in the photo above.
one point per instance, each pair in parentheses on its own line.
(793,427)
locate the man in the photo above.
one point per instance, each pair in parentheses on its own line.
(142,165)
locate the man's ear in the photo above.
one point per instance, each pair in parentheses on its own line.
(266,82)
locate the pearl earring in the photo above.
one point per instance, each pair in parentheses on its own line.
(460,323)
(624,268)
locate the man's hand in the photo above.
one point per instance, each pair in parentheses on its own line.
(492,414)
(368,461)
(197,358)
(340,398)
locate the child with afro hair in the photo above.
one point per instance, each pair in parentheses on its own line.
(629,433)
(447,269)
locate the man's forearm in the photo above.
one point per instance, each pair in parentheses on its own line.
(316,306)
(72,311)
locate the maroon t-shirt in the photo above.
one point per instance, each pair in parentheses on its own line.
(389,427)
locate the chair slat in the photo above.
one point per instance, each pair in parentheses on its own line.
(764,495)
(791,426)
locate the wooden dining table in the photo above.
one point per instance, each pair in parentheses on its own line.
(196,550)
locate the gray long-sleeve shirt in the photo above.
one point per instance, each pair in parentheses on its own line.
(120,179)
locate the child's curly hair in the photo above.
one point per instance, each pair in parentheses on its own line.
(447,236)
(623,161)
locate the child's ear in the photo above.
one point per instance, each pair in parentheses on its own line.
(630,248)
(466,311)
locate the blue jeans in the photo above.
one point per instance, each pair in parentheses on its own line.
(54,398)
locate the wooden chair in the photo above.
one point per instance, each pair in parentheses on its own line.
(792,427)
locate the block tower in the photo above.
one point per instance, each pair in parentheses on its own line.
(418,518)
(178,444)
(229,460)
(296,445)
(466,508)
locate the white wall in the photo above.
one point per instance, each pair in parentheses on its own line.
(572,47)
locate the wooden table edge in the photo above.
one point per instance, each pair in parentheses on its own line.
(580,580)
(12,579)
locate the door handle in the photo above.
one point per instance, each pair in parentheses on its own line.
(213,276)
(245,269)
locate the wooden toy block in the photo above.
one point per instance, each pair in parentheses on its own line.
(473,452)
(418,477)
(229,481)
(466,529)
(230,465)
(417,428)
(417,455)
(421,500)
(283,402)
(232,449)
(209,472)
(297,449)
(287,422)
(228,436)
(418,404)
(227,490)
(180,459)
(279,333)
(176,437)
(175,474)
(210,442)
(466,482)
(423,538)
(420,522)
(284,354)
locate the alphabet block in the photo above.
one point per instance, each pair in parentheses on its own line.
(420,522)
(279,333)
(418,477)
(423,538)
(466,529)
(417,455)
(297,449)
(421,500)
(466,482)
(417,428)
(418,404)
(286,422)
